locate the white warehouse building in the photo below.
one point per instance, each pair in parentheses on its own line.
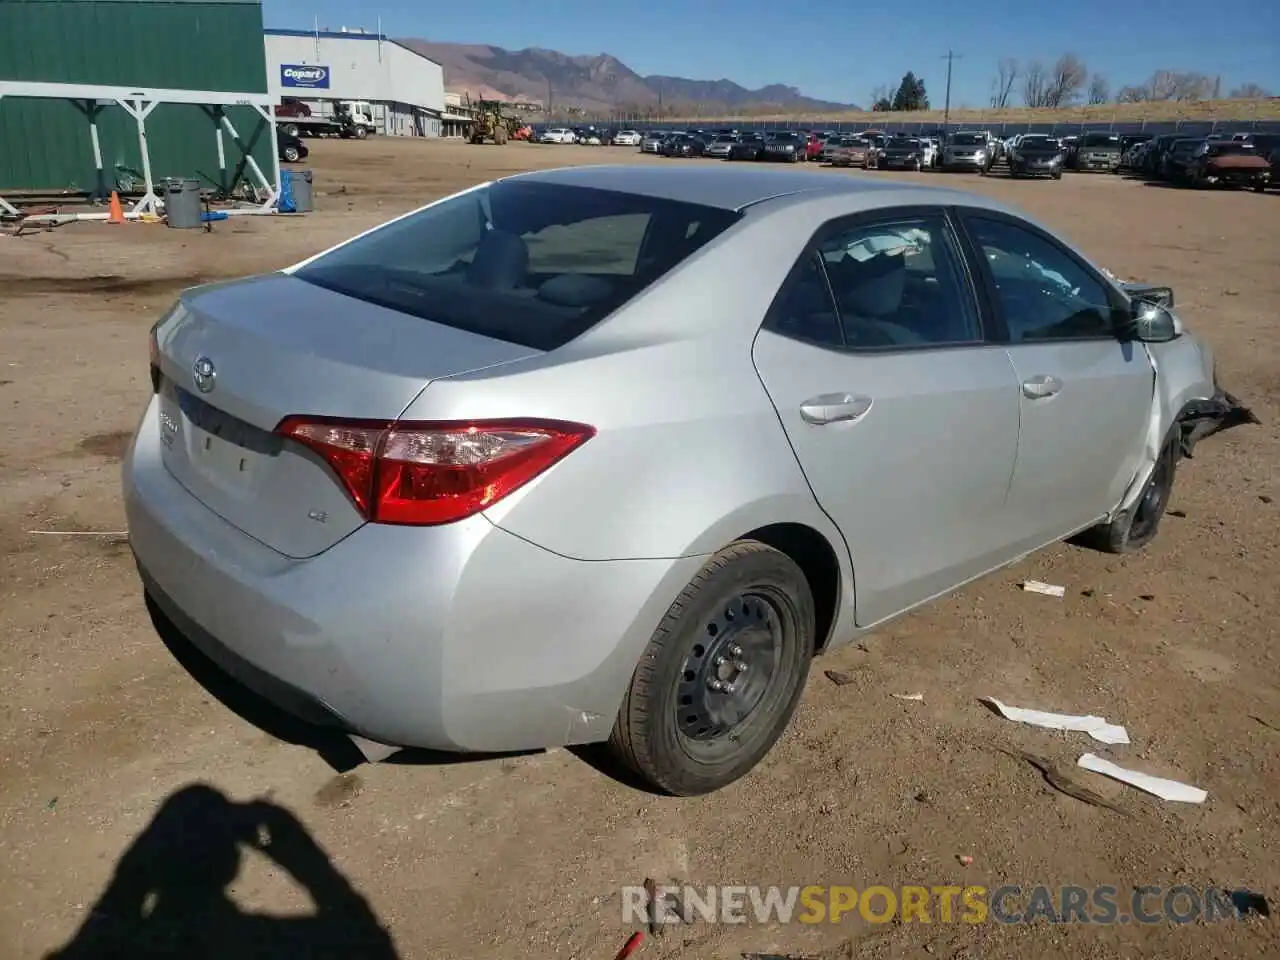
(318,67)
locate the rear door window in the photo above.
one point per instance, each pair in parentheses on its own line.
(527,262)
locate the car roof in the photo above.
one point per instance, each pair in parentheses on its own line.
(739,187)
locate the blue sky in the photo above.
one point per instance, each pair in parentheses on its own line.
(836,51)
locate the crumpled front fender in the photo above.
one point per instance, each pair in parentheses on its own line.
(1187,406)
(1203,418)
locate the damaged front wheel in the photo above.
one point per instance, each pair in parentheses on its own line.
(1136,526)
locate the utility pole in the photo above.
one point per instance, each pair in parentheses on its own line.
(946,109)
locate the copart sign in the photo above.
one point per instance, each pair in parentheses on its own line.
(300,75)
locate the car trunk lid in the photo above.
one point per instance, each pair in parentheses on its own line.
(236,359)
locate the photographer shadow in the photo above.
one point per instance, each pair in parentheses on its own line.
(170,894)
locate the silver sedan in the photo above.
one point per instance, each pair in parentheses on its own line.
(609,453)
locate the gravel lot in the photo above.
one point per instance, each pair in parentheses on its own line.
(525,856)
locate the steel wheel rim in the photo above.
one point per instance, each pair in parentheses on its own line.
(1152,501)
(730,669)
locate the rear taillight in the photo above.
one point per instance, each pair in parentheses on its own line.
(433,473)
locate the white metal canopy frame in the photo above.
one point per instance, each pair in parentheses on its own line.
(139,103)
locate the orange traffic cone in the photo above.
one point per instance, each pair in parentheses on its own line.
(117,212)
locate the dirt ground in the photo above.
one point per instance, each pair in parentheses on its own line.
(525,856)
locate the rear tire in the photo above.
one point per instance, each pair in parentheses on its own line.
(291,129)
(749,607)
(1137,526)
(291,155)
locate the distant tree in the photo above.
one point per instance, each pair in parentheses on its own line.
(1066,81)
(880,101)
(911,94)
(1173,85)
(1249,91)
(1002,85)
(1099,89)
(1035,85)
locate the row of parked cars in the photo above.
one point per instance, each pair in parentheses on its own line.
(1245,159)
(1240,159)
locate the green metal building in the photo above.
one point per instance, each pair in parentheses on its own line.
(153,48)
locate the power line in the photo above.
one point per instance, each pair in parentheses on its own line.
(949,56)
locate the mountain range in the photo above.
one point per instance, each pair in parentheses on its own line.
(601,83)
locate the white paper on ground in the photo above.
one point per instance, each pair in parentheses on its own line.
(1048,589)
(1096,727)
(1162,788)
(907,696)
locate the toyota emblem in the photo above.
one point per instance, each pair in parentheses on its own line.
(204,373)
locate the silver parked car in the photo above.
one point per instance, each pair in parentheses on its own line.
(610,452)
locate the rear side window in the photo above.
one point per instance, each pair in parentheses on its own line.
(535,264)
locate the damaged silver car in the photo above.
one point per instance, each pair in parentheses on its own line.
(610,453)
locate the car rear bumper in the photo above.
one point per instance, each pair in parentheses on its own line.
(972,163)
(460,637)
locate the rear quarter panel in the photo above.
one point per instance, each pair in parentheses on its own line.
(689,453)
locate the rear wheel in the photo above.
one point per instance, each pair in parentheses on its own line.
(291,129)
(291,155)
(361,133)
(722,674)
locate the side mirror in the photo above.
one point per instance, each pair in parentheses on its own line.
(1151,323)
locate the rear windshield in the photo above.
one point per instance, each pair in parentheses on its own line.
(902,143)
(1232,146)
(968,139)
(534,264)
(1099,140)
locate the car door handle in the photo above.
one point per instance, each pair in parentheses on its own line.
(834,408)
(1037,388)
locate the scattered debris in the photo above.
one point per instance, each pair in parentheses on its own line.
(1062,780)
(631,946)
(1264,498)
(1088,592)
(1180,514)
(52,804)
(1048,589)
(1269,726)
(918,697)
(1146,596)
(1162,788)
(1247,902)
(965,859)
(1096,727)
(657,908)
(838,678)
(924,796)
(776,956)
(79,533)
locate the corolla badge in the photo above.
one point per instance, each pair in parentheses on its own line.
(204,373)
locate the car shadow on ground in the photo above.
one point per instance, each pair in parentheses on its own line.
(332,745)
(170,893)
